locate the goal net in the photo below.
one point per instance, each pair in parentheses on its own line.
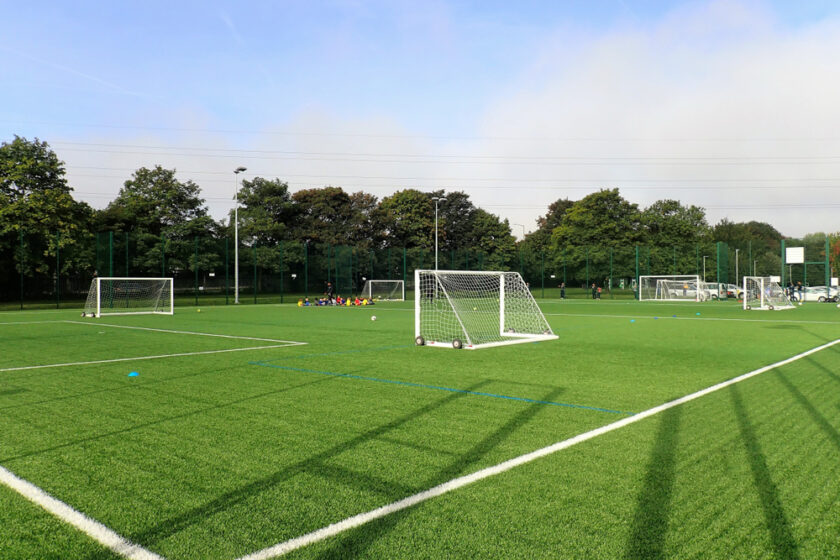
(470,309)
(388,290)
(122,296)
(672,287)
(762,292)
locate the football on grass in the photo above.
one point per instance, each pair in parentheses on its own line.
(373,317)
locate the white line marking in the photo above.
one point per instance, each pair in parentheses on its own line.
(31,322)
(630,316)
(153,357)
(94,324)
(362,518)
(90,527)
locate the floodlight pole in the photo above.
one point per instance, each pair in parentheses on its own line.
(704,267)
(236,173)
(436,199)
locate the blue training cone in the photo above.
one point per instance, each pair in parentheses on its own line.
(133,374)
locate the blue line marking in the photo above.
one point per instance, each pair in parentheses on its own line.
(437,388)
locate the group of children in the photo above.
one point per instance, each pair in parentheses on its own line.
(345,302)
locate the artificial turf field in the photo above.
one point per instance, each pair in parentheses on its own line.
(237,444)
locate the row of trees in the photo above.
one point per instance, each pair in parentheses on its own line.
(36,200)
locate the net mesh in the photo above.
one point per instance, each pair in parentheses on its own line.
(762,292)
(391,290)
(117,296)
(478,309)
(656,288)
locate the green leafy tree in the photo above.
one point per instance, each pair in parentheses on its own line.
(592,226)
(492,237)
(408,218)
(36,204)
(165,217)
(456,214)
(324,215)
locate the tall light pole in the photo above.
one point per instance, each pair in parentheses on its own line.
(236,173)
(738,282)
(704,266)
(437,199)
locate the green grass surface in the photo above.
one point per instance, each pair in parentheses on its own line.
(217,455)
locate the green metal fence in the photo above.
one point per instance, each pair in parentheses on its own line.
(56,272)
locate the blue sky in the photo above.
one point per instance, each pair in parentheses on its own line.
(516,103)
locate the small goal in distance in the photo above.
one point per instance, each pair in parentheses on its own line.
(128,296)
(672,288)
(475,309)
(384,290)
(764,293)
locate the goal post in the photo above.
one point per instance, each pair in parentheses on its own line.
(385,290)
(672,287)
(764,293)
(124,296)
(475,309)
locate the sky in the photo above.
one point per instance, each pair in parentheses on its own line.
(733,106)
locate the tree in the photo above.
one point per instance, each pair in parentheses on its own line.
(491,236)
(455,219)
(593,226)
(37,209)
(324,215)
(267,212)
(166,217)
(408,218)
(670,224)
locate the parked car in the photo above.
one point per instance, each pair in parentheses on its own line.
(734,291)
(820,294)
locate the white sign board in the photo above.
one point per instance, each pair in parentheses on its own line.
(834,281)
(794,255)
(776,279)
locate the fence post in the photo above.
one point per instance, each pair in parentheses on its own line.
(255,272)
(638,287)
(611,273)
(110,253)
(195,264)
(306,268)
(58,270)
(281,272)
(126,255)
(20,266)
(542,272)
(163,257)
(404,266)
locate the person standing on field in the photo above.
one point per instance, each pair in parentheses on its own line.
(594,291)
(562,290)
(330,293)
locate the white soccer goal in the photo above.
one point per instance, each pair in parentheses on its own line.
(762,292)
(123,296)
(672,287)
(471,309)
(386,290)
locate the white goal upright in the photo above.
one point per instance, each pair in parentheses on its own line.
(763,292)
(672,287)
(472,309)
(123,296)
(385,290)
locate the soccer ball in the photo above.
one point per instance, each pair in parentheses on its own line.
(373,317)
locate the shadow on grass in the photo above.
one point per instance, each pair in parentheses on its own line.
(144,425)
(781,537)
(650,522)
(355,542)
(313,464)
(815,414)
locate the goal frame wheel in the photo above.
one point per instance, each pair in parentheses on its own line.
(420,341)
(457,344)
